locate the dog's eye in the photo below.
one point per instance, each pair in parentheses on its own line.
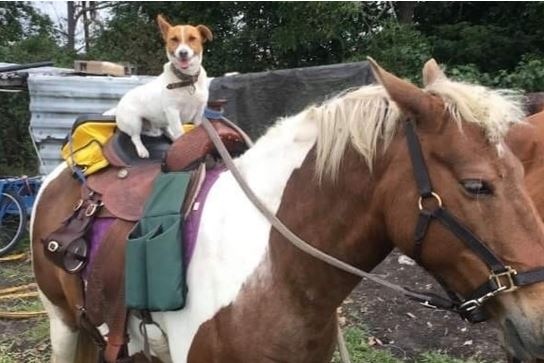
(192,38)
(174,39)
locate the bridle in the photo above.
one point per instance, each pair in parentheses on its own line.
(502,278)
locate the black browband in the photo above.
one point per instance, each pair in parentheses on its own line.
(502,278)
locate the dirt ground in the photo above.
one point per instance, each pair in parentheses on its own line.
(407,328)
(402,326)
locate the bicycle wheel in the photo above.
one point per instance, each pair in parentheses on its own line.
(12,221)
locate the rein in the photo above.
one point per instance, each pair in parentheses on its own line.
(502,278)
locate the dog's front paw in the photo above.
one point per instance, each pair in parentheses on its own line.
(142,152)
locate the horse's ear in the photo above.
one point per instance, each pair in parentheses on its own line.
(410,98)
(432,72)
(164,26)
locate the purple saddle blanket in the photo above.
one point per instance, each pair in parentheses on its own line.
(190,226)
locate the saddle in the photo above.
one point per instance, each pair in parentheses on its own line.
(124,188)
(119,192)
(126,184)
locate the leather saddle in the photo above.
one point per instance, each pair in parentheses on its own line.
(120,150)
(124,187)
(126,184)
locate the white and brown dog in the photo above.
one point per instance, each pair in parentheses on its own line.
(180,93)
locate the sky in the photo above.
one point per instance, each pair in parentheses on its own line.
(57,11)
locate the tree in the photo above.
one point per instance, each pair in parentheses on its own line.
(25,36)
(85,12)
(250,36)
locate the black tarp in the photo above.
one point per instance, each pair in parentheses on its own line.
(257,100)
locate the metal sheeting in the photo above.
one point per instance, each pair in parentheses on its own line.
(56,101)
(254,101)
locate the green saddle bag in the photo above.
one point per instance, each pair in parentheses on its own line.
(154,271)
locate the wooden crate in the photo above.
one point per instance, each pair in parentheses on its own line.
(104,68)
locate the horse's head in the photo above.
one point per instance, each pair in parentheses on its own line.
(480,182)
(478,231)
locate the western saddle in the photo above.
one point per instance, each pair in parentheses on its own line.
(120,191)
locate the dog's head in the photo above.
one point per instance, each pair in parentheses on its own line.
(184,44)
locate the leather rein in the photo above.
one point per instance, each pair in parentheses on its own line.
(502,278)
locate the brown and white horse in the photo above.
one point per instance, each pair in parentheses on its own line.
(526,141)
(339,175)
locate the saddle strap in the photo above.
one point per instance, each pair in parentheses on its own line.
(105,290)
(66,246)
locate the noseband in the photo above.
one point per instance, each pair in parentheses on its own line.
(502,278)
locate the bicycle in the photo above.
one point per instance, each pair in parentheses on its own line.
(17,196)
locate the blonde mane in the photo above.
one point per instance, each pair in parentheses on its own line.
(366,118)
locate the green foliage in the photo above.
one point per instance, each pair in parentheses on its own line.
(527,76)
(463,43)
(248,36)
(360,351)
(25,36)
(400,48)
(17,155)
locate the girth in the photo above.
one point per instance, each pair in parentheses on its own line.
(502,278)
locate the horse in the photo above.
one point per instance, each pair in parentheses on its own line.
(526,141)
(341,176)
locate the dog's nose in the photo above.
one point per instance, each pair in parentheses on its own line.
(183,53)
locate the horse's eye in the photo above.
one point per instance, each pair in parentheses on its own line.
(477,187)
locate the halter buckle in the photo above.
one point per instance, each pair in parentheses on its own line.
(470,305)
(433,195)
(505,280)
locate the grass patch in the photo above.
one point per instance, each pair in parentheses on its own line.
(438,357)
(27,356)
(357,341)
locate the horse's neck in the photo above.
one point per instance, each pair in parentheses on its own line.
(254,277)
(334,217)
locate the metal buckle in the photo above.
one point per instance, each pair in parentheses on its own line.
(507,277)
(53,246)
(78,205)
(92,208)
(433,195)
(471,305)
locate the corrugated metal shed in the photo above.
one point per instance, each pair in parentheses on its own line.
(56,101)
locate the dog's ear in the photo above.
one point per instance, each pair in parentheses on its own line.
(164,26)
(205,32)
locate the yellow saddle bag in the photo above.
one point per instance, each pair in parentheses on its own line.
(83,147)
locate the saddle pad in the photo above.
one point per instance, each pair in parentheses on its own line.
(192,221)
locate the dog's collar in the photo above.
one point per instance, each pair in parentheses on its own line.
(185,79)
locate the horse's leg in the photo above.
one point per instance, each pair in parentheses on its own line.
(63,337)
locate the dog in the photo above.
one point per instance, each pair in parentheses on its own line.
(179,93)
